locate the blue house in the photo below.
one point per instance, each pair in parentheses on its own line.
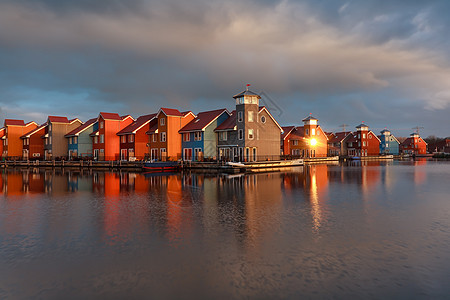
(388,143)
(80,143)
(198,137)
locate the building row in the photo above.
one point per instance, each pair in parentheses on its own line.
(248,133)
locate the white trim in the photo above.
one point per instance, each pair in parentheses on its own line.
(270,115)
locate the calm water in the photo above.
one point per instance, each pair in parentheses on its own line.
(376,230)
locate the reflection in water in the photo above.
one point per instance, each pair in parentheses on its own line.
(314,230)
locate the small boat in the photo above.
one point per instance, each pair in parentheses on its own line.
(158,166)
(276,164)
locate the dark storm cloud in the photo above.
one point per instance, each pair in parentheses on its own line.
(336,59)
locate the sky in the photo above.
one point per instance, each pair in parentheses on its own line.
(382,62)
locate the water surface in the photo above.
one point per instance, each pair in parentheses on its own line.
(359,230)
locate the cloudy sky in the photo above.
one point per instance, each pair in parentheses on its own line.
(385,62)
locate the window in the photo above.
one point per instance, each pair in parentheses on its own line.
(359,144)
(162,138)
(162,121)
(364,143)
(102,124)
(307,131)
(240,116)
(313,131)
(198,136)
(197,152)
(254,154)
(24,142)
(250,134)
(131,138)
(123,138)
(186,137)
(295,142)
(241,134)
(364,135)
(222,136)
(263,119)
(370,136)
(50,126)
(102,150)
(102,138)
(359,135)
(75,140)
(154,137)
(250,116)
(50,140)
(95,139)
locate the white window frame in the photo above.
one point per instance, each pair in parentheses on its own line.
(163,137)
(251,134)
(102,138)
(240,117)
(223,136)
(250,116)
(162,121)
(240,134)
(197,136)
(131,138)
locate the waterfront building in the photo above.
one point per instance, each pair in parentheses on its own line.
(337,145)
(79,140)
(12,132)
(134,138)
(55,143)
(308,140)
(2,134)
(106,142)
(199,140)
(414,145)
(251,133)
(164,140)
(443,146)
(363,142)
(33,143)
(388,143)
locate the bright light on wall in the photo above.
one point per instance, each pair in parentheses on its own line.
(313,142)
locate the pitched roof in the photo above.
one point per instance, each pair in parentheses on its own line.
(297,134)
(30,133)
(110,116)
(153,127)
(228,124)
(362,125)
(81,128)
(171,112)
(202,120)
(261,108)
(94,133)
(286,131)
(338,137)
(9,122)
(309,118)
(57,119)
(136,125)
(246,93)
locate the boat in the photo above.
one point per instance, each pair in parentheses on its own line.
(161,166)
(267,165)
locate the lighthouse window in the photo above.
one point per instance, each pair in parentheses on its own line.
(263,119)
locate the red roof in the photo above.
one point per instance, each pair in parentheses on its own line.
(9,122)
(153,127)
(338,137)
(84,126)
(94,133)
(202,120)
(57,119)
(171,112)
(110,116)
(286,131)
(30,133)
(229,123)
(141,121)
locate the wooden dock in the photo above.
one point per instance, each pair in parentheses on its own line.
(135,165)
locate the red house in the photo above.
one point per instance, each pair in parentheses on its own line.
(363,142)
(337,145)
(12,144)
(308,140)
(414,145)
(106,142)
(33,143)
(134,138)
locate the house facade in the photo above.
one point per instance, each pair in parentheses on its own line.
(164,141)
(55,143)
(414,145)
(308,140)
(106,142)
(388,143)
(134,138)
(337,145)
(363,142)
(256,134)
(199,140)
(79,140)
(33,143)
(12,142)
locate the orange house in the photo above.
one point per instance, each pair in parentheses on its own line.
(2,134)
(106,142)
(12,144)
(33,143)
(164,139)
(308,140)
(134,138)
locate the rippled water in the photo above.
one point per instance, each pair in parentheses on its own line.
(376,230)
